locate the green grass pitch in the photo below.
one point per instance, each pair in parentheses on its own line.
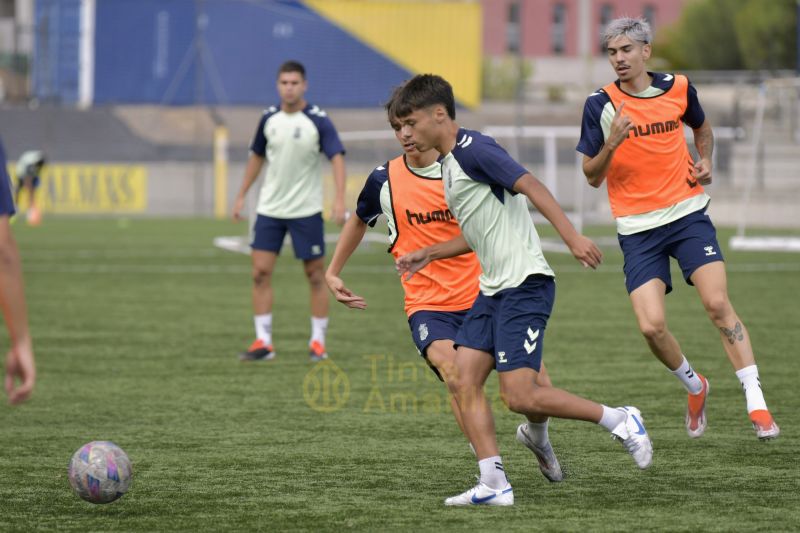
(137,326)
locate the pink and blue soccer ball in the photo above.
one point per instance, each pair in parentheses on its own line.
(100,472)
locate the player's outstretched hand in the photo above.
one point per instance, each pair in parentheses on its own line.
(702,171)
(586,251)
(412,262)
(238,207)
(343,294)
(20,367)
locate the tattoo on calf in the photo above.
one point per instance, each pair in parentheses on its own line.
(735,334)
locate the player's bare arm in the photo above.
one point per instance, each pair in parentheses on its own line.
(413,262)
(254,165)
(20,370)
(704,142)
(595,168)
(339,177)
(352,234)
(581,247)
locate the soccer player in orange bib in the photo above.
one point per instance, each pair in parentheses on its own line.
(632,138)
(408,191)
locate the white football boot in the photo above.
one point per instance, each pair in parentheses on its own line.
(632,434)
(548,462)
(483,494)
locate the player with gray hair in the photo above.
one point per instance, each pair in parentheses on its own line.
(632,139)
(634,29)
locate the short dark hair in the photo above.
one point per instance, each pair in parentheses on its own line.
(292,66)
(391,103)
(421,91)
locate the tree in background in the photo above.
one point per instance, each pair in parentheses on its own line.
(767,34)
(731,35)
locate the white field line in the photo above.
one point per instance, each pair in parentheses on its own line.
(99,268)
(120,253)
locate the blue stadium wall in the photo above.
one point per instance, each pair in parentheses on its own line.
(56,50)
(185,52)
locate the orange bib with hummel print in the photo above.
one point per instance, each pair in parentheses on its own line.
(651,169)
(422,218)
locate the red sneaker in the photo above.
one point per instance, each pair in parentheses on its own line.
(258,351)
(696,411)
(765,426)
(316,351)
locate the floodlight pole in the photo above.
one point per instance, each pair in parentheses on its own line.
(519,88)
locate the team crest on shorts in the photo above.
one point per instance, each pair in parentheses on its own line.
(423,331)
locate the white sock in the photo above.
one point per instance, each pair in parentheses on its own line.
(611,418)
(492,473)
(688,377)
(748,376)
(538,433)
(318,328)
(263,325)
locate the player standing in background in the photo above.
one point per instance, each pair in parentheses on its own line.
(408,191)
(29,168)
(505,327)
(632,137)
(20,369)
(290,137)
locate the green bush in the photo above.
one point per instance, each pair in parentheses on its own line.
(503,76)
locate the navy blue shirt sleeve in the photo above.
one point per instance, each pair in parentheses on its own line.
(259,144)
(329,142)
(486,161)
(500,166)
(6,200)
(368,207)
(592,139)
(694,115)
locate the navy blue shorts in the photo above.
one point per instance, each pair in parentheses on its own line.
(692,240)
(510,325)
(429,326)
(36,182)
(308,235)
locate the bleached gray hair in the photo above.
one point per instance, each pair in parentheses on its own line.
(634,29)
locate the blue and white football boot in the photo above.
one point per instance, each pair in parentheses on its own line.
(632,434)
(483,494)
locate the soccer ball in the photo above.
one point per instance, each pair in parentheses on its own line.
(100,472)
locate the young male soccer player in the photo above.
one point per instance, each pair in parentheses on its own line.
(290,137)
(408,191)
(632,137)
(20,369)
(29,167)
(506,324)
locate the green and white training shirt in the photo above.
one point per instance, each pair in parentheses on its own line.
(291,144)
(479,176)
